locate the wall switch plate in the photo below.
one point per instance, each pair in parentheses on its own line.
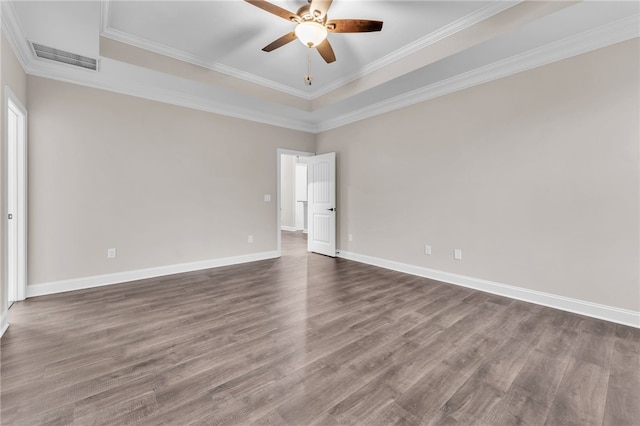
(267,198)
(427,249)
(457,254)
(350,237)
(111,253)
(250,239)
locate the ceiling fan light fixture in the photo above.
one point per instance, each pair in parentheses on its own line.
(310,33)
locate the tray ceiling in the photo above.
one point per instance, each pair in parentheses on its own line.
(207,54)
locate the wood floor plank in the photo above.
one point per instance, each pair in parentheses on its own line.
(593,348)
(581,396)
(443,377)
(310,340)
(623,393)
(529,398)
(540,376)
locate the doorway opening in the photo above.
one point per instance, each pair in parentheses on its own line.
(291,193)
(15,179)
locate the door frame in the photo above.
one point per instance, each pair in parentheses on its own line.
(279,153)
(21,158)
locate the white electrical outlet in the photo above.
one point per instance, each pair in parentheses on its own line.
(457,254)
(250,239)
(350,237)
(267,198)
(427,249)
(111,253)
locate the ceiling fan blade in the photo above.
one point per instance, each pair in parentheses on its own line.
(280,42)
(320,6)
(276,10)
(353,26)
(326,51)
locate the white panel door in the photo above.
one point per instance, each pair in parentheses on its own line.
(16,190)
(322,204)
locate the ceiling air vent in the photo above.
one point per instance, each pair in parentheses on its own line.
(52,54)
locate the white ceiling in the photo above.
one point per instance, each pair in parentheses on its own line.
(425,49)
(232,34)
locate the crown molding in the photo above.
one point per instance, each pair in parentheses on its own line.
(113,34)
(447,31)
(603,36)
(615,32)
(88,78)
(97,80)
(201,62)
(15,35)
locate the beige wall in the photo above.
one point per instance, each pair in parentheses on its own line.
(11,75)
(163,184)
(535,177)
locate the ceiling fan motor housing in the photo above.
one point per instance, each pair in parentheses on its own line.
(306,15)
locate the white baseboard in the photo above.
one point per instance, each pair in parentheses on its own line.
(126,276)
(4,324)
(288,228)
(582,307)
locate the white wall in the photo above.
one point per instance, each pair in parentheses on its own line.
(535,177)
(292,212)
(300,196)
(287,192)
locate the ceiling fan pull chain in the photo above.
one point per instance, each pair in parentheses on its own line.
(307,78)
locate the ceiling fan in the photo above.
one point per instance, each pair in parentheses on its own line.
(312,26)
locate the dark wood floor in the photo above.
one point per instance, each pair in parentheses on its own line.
(306,339)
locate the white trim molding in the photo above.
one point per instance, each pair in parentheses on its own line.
(448,30)
(606,35)
(42,289)
(311,121)
(109,32)
(485,12)
(288,228)
(4,324)
(581,307)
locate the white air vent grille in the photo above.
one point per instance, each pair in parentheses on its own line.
(57,55)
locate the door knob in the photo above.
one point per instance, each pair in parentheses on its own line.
(332,209)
